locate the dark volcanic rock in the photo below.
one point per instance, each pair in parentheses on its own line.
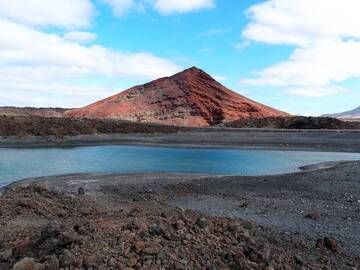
(330,244)
(313,215)
(57,128)
(292,122)
(81,191)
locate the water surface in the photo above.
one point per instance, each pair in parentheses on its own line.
(16,164)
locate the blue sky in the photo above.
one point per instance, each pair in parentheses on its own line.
(282,53)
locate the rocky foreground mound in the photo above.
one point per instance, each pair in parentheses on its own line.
(189,98)
(42,229)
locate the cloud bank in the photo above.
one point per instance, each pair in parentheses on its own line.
(47,69)
(164,7)
(326,40)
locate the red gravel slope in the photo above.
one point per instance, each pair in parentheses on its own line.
(189,98)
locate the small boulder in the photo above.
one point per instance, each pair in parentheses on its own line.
(51,263)
(139,246)
(26,264)
(179,225)
(156,230)
(81,191)
(5,255)
(202,222)
(69,237)
(234,227)
(92,262)
(85,211)
(313,215)
(299,260)
(22,247)
(152,250)
(67,259)
(329,243)
(52,230)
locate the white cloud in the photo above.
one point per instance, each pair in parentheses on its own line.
(52,50)
(55,63)
(328,90)
(49,93)
(65,13)
(121,7)
(326,36)
(302,22)
(168,7)
(242,45)
(80,37)
(322,63)
(212,32)
(165,7)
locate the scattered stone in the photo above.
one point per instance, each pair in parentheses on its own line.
(179,225)
(243,204)
(52,263)
(156,230)
(52,230)
(202,222)
(69,237)
(5,255)
(4,266)
(92,262)
(26,264)
(179,266)
(313,215)
(81,191)
(235,227)
(22,247)
(330,244)
(139,246)
(299,260)
(151,250)
(85,211)
(67,259)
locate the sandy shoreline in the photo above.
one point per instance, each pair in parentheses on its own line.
(307,140)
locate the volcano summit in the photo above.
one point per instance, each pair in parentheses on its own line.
(189,98)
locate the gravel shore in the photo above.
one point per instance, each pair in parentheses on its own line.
(273,139)
(322,202)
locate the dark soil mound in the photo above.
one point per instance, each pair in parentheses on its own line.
(59,127)
(297,122)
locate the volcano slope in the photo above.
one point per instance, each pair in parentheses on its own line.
(190,98)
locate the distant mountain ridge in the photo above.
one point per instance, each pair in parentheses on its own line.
(189,98)
(355,113)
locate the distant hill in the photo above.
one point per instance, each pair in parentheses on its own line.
(29,111)
(346,115)
(190,98)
